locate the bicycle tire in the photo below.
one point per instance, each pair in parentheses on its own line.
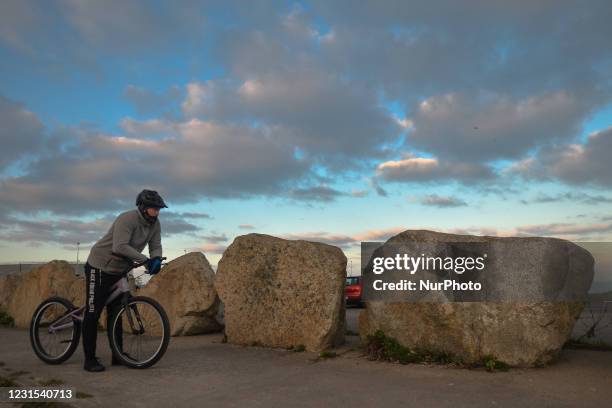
(34,337)
(165,338)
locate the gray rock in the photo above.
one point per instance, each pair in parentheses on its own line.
(22,293)
(282,293)
(536,288)
(185,288)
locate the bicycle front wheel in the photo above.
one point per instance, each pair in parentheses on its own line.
(140,332)
(54,334)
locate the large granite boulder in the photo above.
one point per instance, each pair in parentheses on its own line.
(185,288)
(544,282)
(8,283)
(282,293)
(56,278)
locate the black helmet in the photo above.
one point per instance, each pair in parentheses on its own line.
(150,199)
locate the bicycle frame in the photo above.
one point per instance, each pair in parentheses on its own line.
(67,320)
(121,288)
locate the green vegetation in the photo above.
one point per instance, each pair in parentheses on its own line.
(298,349)
(6,319)
(83,395)
(493,364)
(383,348)
(328,354)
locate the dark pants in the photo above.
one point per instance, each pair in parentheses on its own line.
(97,290)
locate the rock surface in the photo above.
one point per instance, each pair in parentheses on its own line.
(282,293)
(25,292)
(8,283)
(519,333)
(185,288)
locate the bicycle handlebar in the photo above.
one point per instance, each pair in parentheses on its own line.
(134,264)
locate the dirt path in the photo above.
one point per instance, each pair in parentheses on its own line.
(201,371)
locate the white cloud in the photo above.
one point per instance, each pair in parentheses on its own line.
(21,132)
(340,240)
(330,120)
(423,169)
(96,171)
(576,164)
(152,127)
(436,200)
(491,126)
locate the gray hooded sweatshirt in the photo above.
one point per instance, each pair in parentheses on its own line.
(128,236)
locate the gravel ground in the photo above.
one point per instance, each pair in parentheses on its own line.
(202,371)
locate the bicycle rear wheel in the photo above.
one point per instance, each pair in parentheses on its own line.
(54,335)
(140,332)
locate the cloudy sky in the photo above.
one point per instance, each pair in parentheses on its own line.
(332,121)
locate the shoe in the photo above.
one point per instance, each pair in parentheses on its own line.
(93,365)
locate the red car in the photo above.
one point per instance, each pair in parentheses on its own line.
(352,291)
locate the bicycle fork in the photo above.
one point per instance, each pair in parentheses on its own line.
(132,314)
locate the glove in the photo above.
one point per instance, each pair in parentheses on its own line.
(154,265)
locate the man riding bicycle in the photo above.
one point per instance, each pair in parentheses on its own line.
(110,256)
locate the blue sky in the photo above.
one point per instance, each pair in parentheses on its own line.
(330,121)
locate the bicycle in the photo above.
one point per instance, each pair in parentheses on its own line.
(140,323)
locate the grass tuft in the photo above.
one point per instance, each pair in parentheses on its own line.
(83,395)
(493,364)
(328,354)
(381,347)
(6,319)
(384,348)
